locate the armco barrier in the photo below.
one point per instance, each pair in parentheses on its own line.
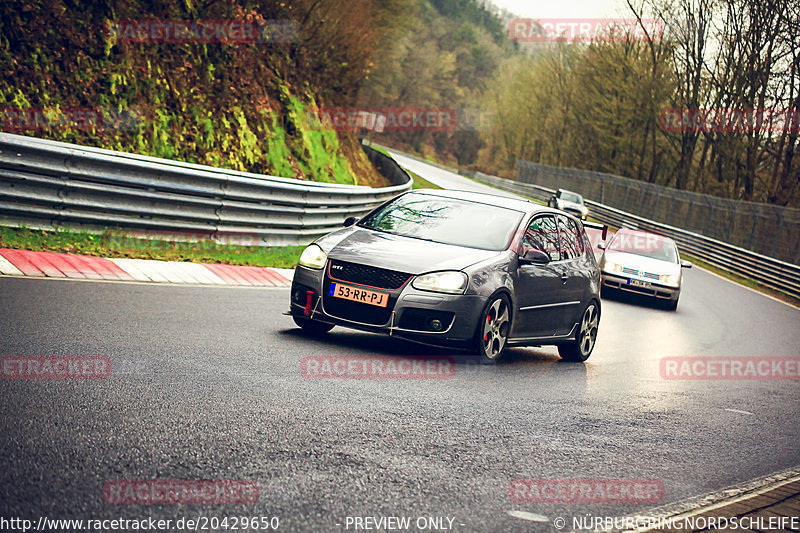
(53,184)
(769,272)
(765,229)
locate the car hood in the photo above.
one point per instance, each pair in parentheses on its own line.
(640,262)
(394,252)
(571,205)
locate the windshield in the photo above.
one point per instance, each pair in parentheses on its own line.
(446,220)
(571,197)
(645,244)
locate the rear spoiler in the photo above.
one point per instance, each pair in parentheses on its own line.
(597,225)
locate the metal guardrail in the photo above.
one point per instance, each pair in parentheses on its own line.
(45,184)
(772,273)
(770,230)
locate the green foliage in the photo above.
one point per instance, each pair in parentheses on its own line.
(446,59)
(226,105)
(117,244)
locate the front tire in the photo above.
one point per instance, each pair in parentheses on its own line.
(491,335)
(581,348)
(671,305)
(312,326)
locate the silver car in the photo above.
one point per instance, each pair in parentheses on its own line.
(569,201)
(644,263)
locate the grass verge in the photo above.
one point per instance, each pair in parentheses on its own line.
(117,244)
(420,182)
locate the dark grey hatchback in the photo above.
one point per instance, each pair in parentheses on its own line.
(459,269)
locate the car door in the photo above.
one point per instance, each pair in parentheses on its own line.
(575,267)
(539,288)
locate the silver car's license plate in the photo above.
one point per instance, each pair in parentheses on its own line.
(637,283)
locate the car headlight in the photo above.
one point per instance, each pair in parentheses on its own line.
(584,210)
(451,282)
(670,279)
(611,266)
(313,257)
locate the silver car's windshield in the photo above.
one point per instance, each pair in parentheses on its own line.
(570,197)
(446,220)
(646,245)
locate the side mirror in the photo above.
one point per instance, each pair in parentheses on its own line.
(686,264)
(602,245)
(349,221)
(534,257)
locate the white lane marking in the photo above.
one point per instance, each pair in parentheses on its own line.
(746,287)
(128,266)
(7,268)
(739,411)
(151,284)
(150,269)
(201,273)
(531,517)
(173,273)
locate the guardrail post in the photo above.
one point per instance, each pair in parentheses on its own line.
(778,212)
(753,228)
(710,215)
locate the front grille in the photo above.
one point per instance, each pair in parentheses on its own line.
(641,273)
(367,275)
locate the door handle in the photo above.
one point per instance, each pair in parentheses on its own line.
(564,277)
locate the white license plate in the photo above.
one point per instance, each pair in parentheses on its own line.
(637,283)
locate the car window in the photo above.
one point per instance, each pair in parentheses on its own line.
(542,234)
(570,238)
(571,197)
(645,244)
(446,220)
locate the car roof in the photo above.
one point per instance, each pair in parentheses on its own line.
(519,204)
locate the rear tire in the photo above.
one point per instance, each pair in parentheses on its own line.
(312,326)
(491,334)
(581,348)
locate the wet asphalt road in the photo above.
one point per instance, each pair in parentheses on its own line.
(206,384)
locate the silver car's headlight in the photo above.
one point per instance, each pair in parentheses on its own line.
(584,210)
(313,257)
(611,266)
(670,279)
(451,282)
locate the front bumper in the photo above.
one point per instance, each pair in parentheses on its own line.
(629,284)
(410,313)
(576,213)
